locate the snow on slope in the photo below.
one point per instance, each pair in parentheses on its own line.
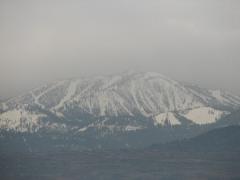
(70,93)
(3,106)
(20,120)
(132,128)
(168,118)
(204,115)
(127,94)
(131,94)
(225,97)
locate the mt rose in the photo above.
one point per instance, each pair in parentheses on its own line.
(108,105)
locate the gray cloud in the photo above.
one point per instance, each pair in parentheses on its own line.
(188,40)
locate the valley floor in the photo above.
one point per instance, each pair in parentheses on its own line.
(120,165)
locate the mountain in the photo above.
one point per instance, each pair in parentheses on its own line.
(123,102)
(123,110)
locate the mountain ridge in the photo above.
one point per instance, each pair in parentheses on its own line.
(219,139)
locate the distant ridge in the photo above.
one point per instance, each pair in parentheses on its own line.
(220,139)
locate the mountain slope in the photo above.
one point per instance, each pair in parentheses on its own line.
(220,139)
(116,103)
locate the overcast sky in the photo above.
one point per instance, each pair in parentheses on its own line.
(189,40)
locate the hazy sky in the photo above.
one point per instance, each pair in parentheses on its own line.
(189,40)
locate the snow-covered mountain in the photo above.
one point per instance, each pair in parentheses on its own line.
(125,102)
